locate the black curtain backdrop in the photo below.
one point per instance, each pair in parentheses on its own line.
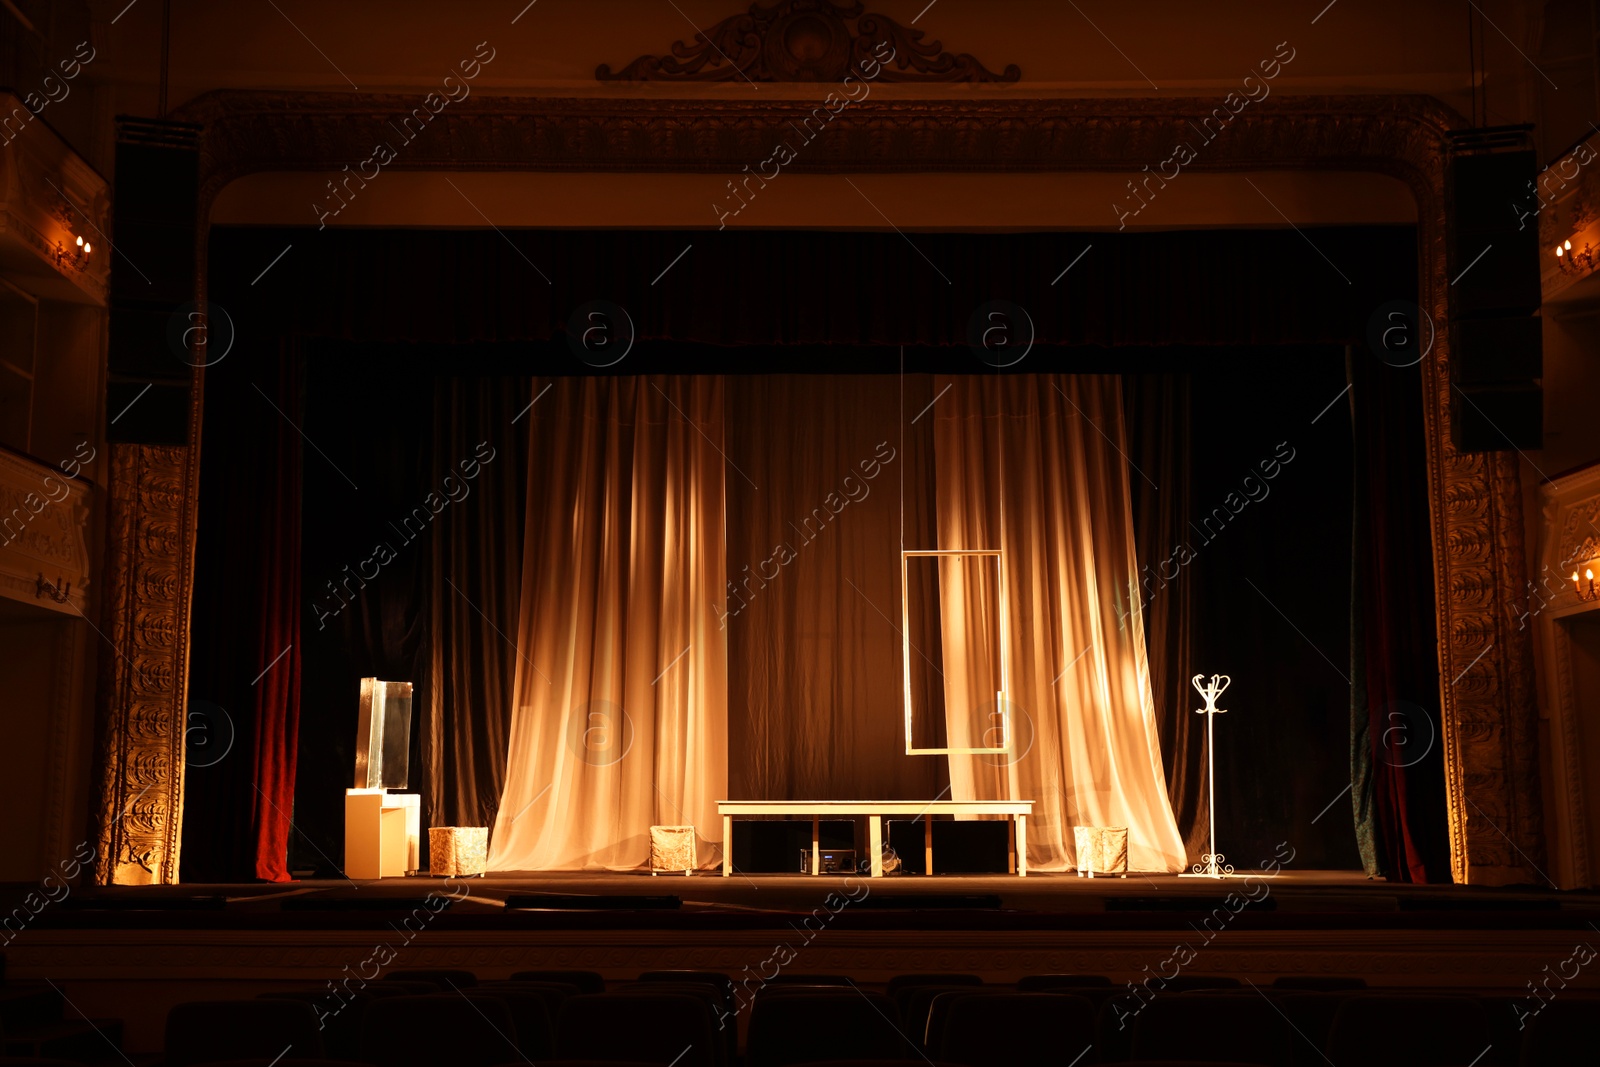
(1245,557)
(795,437)
(387,318)
(1396,740)
(1235,287)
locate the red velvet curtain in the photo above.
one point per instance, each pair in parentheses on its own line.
(276,701)
(245,648)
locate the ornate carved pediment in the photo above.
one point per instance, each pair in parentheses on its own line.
(808,41)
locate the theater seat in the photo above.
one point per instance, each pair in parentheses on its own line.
(532,1019)
(444,979)
(287,1061)
(1563,1032)
(205,1031)
(823,1025)
(440,1028)
(1319,983)
(1038,983)
(1017,1030)
(1377,1030)
(719,979)
(1205,1029)
(586,981)
(652,1027)
(723,1011)
(916,1004)
(910,981)
(338,1018)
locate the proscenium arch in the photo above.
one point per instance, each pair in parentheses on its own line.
(1487,686)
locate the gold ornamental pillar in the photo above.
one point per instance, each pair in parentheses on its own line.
(144,668)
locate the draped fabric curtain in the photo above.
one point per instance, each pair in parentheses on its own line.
(1397,754)
(464,723)
(244,694)
(1159,445)
(1036,466)
(619,703)
(276,701)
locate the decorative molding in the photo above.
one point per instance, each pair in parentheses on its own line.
(808,41)
(1569,535)
(44,530)
(1489,714)
(149,576)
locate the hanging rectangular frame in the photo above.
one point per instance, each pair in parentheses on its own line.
(1005,651)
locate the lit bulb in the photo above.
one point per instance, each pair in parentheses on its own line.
(1567,245)
(1558,251)
(1588,573)
(80,242)
(87,248)
(1574,575)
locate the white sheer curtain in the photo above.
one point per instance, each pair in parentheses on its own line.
(620,700)
(1036,465)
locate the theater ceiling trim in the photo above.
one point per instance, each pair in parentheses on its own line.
(1487,690)
(810,41)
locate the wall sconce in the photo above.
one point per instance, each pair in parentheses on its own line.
(1584,586)
(76,257)
(57,592)
(1574,262)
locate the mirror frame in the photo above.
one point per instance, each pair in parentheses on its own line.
(1003,702)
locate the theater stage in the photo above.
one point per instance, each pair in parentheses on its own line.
(156,946)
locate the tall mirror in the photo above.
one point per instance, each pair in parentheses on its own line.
(383,735)
(953,616)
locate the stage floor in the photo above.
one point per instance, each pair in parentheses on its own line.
(634,899)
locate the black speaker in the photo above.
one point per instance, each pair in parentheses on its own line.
(1498,349)
(770,846)
(1496,417)
(959,847)
(1493,254)
(152,281)
(1496,356)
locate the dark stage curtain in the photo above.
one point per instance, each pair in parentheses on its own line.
(814,646)
(245,654)
(411,573)
(1158,421)
(474,557)
(1234,287)
(1246,572)
(1396,738)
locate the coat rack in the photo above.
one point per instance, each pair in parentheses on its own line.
(1211,864)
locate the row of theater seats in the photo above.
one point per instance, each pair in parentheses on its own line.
(694,1019)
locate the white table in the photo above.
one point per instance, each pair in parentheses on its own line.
(1018,810)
